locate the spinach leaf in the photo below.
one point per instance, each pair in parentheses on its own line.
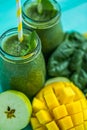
(70,60)
(44,5)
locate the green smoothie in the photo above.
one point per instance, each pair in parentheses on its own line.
(13,46)
(45,14)
(22,65)
(45,18)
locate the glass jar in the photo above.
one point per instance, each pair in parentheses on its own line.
(48,28)
(24,73)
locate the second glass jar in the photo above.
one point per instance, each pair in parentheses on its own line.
(45,18)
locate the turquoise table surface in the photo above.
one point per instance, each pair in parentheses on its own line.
(74,17)
(74,14)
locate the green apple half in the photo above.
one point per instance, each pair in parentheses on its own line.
(57,79)
(15,110)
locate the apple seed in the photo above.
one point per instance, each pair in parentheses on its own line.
(10,112)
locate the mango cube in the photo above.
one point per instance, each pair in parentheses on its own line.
(37,105)
(52,126)
(65,123)
(35,123)
(66,95)
(58,87)
(85,125)
(83,103)
(72,129)
(51,99)
(78,93)
(41,128)
(80,127)
(77,118)
(74,107)
(43,116)
(85,114)
(60,112)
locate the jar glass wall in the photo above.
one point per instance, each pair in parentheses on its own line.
(47,24)
(24,73)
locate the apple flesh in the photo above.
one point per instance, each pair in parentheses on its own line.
(15,110)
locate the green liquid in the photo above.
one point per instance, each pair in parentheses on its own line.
(27,77)
(47,25)
(46,14)
(13,46)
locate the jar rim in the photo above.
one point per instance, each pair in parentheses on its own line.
(26,58)
(36,24)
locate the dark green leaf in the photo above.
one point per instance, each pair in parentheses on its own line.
(70,60)
(44,5)
(33,40)
(47,5)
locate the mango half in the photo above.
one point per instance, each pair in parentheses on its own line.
(59,106)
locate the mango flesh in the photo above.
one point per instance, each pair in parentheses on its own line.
(59,106)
